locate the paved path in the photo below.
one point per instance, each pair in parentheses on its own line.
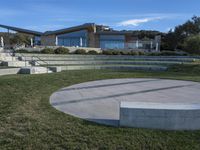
(99,101)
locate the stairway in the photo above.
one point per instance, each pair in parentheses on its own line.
(10,63)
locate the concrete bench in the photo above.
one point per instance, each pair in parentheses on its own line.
(167,116)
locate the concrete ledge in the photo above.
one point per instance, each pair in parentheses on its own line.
(101,62)
(55,69)
(34,70)
(9,71)
(119,67)
(15,63)
(167,116)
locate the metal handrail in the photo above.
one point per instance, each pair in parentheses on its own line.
(47,64)
(22,55)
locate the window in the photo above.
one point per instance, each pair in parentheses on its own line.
(112,41)
(78,38)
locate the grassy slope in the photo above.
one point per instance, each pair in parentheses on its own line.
(27,120)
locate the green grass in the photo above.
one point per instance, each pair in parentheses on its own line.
(27,120)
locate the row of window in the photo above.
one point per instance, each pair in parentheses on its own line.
(80,39)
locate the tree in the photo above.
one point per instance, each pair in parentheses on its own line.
(169,41)
(175,39)
(19,39)
(192,44)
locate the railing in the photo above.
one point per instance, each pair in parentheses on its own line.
(24,59)
(11,53)
(36,61)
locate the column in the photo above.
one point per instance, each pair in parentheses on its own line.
(137,44)
(151,45)
(157,47)
(31,42)
(2,42)
(56,43)
(81,42)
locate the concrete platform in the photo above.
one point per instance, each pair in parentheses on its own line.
(34,70)
(99,101)
(9,71)
(166,116)
(15,63)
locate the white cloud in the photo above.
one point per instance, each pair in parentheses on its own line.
(137,22)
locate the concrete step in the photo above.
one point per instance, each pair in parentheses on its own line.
(35,70)
(52,57)
(7,57)
(15,63)
(117,67)
(36,63)
(111,58)
(108,56)
(9,71)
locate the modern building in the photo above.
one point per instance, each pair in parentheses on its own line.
(90,35)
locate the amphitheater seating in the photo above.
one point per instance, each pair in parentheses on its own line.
(79,62)
(55,63)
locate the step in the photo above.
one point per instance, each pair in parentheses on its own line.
(118,67)
(109,58)
(37,63)
(7,57)
(34,70)
(9,71)
(15,63)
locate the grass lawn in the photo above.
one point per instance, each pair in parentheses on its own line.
(28,121)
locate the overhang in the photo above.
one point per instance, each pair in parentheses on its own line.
(22,30)
(87,26)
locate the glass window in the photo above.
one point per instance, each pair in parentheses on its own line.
(78,38)
(112,41)
(37,40)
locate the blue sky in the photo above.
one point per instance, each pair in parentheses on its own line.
(42,15)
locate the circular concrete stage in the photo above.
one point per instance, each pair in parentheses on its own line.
(99,101)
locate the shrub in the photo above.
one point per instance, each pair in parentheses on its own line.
(61,50)
(80,51)
(92,52)
(22,51)
(47,51)
(107,52)
(124,52)
(141,53)
(35,52)
(115,52)
(154,54)
(192,44)
(134,53)
(168,53)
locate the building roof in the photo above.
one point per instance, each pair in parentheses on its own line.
(22,30)
(71,29)
(114,32)
(89,26)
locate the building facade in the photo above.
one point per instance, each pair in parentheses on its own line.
(91,35)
